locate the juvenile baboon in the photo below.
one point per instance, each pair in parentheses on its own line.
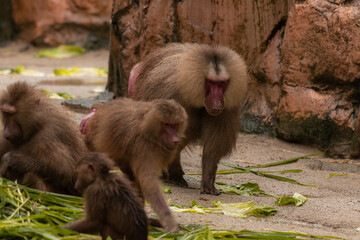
(30,179)
(111,207)
(44,142)
(210,83)
(142,138)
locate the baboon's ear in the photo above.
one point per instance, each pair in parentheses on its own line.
(92,169)
(7,108)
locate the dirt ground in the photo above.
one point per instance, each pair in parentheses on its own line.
(333,207)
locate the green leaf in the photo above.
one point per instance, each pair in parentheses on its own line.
(248,171)
(167,190)
(63,51)
(297,199)
(264,174)
(177,208)
(288,161)
(231,209)
(208,234)
(336,175)
(284,179)
(246,209)
(67,72)
(21,70)
(245,189)
(56,95)
(5,71)
(65,95)
(77,71)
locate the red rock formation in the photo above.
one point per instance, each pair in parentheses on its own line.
(243,25)
(62,21)
(320,71)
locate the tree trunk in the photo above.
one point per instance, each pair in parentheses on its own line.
(7,24)
(117,80)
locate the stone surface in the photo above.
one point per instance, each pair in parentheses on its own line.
(307,116)
(63,21)
(84,105)
(320,74)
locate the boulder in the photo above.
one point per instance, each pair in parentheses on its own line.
(320,74)
(63,21)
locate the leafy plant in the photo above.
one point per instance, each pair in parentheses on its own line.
(297,199)
(230,209)
(27,213)
(77,71)
(62,51)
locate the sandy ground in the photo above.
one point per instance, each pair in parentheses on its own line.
(333,207)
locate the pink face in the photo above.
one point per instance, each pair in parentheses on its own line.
(169,136)
(214,95)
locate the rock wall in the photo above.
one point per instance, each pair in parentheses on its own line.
(304,58)
(320,71)
(55,22)
(245,25)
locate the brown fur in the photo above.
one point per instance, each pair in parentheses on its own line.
(178,71)
(30,179)
(44,141)
(111,207)
(128,131)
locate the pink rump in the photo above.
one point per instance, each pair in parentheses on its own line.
(132,78)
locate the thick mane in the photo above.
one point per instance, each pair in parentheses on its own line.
(193,73)
(23,91)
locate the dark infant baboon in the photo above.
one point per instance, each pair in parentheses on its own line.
(111,206)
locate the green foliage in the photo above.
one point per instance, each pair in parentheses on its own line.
(336,175)
(77,71)
(56,95)
(276,177)
(287,161)
(245,189)
(63,51)
(21,70)
(241,210)
(167,190)
(197,232)
(297,200)
(27,213)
